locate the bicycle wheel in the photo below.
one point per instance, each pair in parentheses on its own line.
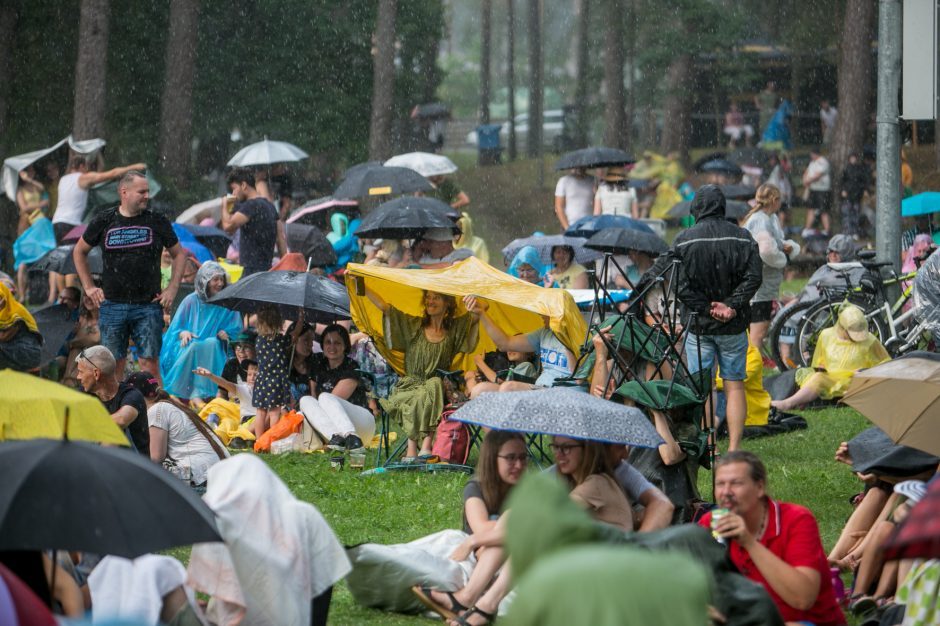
(823,314)
(781,336)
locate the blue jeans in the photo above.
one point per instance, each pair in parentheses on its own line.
(731,351)
(142,322)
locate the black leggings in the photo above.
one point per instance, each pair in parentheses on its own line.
(320,608)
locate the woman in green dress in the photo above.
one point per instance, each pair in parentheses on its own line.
(430,342)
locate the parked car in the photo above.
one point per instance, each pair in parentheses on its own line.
(552,128)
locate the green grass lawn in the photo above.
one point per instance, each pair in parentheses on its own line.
(400,507)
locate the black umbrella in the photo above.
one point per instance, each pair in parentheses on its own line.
(71,495)
(60,260)
(749,156)
(405,218)
(378,180)
(722,166)
(593,157)
(55,322)
(359,166)
(322,299)
(620,240)
(734,209)
(215,239)
(310,242)
(737,192)
(591,224)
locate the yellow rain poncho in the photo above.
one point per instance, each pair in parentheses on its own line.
(470,241)
(666,197)
(840,357)
(515,306)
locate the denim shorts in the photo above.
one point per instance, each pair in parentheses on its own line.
(141,322)
(731,352)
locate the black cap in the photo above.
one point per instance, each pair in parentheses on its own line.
(145,383)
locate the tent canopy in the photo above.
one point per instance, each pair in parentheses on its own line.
(515,305)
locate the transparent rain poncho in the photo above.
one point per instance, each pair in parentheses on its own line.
(927,294)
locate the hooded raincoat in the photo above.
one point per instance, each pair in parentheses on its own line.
(719,262)
(204,321)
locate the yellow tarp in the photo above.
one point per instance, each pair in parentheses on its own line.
(515,305)
(34,408)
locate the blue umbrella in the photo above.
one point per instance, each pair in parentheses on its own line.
(215,239)
(588,226)
(921,204)
(191,243)
(561,411)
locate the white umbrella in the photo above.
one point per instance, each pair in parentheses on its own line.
(267,152)
(424,163)
(16,164)
(199,211)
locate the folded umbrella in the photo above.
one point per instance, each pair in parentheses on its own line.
(60,260)
(561,411)
(378,180)
(902,397)
(425,163)
(405,218)
(918,537)
(322,299)
(593,157)
(70,495)
(36,408)
(587,226)
(544,245)
(621,240)
(311,243)
(267,152)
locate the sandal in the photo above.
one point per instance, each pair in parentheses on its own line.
(424,595)
(463,617)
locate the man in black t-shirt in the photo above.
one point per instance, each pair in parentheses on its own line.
(256,217)
(131,238)
(128,409)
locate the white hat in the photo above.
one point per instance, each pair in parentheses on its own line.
(438,234)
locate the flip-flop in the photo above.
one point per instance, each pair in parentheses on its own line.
(424,595)
(463,617)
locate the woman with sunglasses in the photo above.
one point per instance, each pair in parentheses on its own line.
(503,461)
(586,467)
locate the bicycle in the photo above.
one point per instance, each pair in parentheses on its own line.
(799,323)
(887,320)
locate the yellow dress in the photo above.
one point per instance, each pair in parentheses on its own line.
(840,358)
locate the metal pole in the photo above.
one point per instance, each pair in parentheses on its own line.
(888,192)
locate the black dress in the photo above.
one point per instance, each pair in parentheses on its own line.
(272,388)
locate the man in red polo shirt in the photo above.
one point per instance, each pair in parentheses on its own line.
(773,543)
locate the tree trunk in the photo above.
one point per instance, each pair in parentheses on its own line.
(176,107)
(486,11)
(631,33)
(511,74)
(581,96)
(8,17)
(613,75)
(676,119)
(534,138)
(855,94)
(383,82)
(91,70)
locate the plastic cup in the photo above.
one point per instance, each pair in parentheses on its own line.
(717,514)
(357,460)
(336,462)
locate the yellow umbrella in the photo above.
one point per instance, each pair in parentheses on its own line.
(34,408)
(515,305)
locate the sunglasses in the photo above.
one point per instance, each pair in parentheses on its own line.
(82,355)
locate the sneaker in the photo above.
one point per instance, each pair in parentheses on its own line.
(337,442)
(353,443)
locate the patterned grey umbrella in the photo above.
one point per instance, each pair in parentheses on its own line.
(561,411)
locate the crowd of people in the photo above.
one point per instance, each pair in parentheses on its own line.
(187,380)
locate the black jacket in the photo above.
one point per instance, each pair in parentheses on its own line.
(855,180)
(718,262)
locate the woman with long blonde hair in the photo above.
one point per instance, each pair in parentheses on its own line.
(775,253)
